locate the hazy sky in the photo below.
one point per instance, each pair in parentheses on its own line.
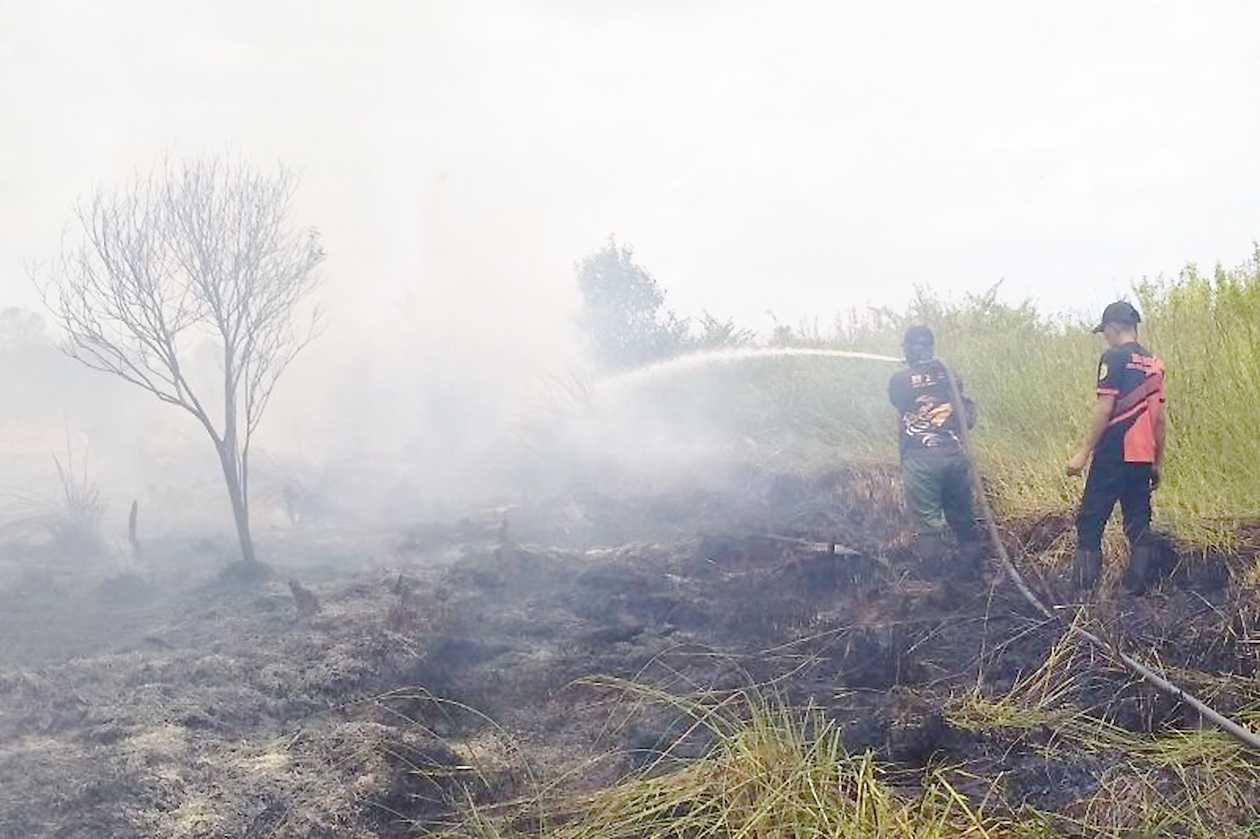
(459,157)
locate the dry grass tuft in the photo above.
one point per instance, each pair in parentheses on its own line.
(772,772)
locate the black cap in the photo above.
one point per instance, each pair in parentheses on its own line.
(918,335)
(1119,312)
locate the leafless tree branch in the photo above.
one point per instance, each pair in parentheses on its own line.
(191,250)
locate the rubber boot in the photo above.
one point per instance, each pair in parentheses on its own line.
(1137,577)
(1086,568)
(929,548)
(971,554)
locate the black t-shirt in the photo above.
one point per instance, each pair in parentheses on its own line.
(928,422)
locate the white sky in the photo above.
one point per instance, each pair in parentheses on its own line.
(459,157)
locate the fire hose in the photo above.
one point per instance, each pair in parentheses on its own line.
(1243,734)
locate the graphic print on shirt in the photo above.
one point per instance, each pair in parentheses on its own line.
(927,413)
(929,422)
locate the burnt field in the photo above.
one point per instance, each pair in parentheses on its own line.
(522,659)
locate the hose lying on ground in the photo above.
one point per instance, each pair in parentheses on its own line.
(1244,735)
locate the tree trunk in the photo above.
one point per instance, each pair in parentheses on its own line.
(133,530)
(240,507)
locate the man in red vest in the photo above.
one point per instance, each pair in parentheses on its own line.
(1123,448)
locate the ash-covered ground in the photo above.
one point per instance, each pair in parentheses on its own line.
(470,660)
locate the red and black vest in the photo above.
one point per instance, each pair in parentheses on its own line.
(1136,379)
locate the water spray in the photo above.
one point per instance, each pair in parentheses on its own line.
(692,361)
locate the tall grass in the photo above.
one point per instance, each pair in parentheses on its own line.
(1033,376)
(70,524)
(76,524)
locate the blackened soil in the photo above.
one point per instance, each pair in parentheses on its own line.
(475,661)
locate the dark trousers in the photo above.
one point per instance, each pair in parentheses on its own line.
(1109,482)
(938,493)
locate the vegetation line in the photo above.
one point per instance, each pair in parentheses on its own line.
(1240,732)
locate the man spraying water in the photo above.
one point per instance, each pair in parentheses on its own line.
(935,470)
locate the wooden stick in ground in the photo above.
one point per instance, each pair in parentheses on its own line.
(1243,734)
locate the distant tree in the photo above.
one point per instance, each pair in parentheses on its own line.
(782,335)
(20,329)
(52,387)
(718,334)
(623,310)
(189,252)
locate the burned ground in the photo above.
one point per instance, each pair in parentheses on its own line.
(481,660)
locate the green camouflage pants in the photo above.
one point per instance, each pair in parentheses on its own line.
(938,493)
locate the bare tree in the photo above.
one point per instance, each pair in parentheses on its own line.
(190,251)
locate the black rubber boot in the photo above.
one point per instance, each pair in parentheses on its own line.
(1086,569)
(1137,577)
(971,554)
(929,548)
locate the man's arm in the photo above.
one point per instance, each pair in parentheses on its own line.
(1160,429)
(899,393)
(1094,430)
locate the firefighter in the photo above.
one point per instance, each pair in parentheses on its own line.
(1123,448)
(935,471)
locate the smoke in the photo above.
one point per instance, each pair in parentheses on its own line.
(459,158)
